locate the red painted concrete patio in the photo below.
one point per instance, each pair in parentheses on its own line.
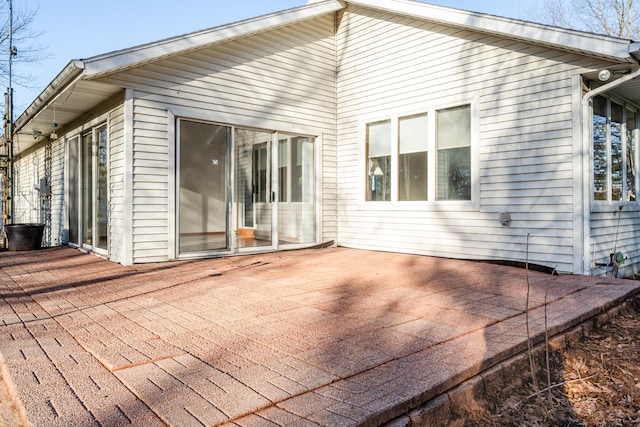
(324,337)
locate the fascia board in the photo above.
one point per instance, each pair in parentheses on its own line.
(68,74)
(588,43)
(634,50)
(114,61)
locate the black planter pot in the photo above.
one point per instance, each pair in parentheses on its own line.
(24,237)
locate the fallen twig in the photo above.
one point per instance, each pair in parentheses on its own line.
(563,383)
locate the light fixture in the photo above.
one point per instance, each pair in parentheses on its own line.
(36,134)
(604,75)
(54,125)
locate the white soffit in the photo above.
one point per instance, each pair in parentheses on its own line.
(594,44)
(113,61)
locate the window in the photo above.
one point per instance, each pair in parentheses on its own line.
(614,128)
(294,166)
(414,157)
(454,153)
(631,152)
(301,158)
(261,168)
(379,161)
(283,167)
(411,174)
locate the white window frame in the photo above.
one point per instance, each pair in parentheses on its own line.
(431,201)
(626,107)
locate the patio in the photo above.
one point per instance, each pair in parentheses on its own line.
(313,337)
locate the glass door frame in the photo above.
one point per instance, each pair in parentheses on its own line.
(273,155)
(87,179)
(197,179)
(270,191)
(233,220)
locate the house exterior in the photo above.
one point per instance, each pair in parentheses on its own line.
(388,125)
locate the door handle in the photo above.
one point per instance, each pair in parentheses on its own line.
(273,197)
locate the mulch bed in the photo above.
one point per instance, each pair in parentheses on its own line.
(594,382)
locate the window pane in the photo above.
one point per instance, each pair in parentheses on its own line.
(283,155)
(616,152)
(413,134)
(413,176)
(600,148)
(87,188)
(631,156)
(454,153)
(202,192)
(379,161)
(74,190)
(379,139)
(301,156)
(296,220)
(260,175)
(413,157)
(454,127)
(102,201)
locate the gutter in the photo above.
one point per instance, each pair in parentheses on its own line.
(586,150)
(634,50)
(602,46)
(68,74)
(122,59)
(597,91)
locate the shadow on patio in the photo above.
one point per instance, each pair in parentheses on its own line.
(324,336)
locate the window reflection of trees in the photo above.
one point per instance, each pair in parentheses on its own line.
(614,130)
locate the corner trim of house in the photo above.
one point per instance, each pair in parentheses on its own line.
(127,258)
(172,170)
(581,182)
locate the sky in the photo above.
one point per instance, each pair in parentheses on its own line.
(73,30)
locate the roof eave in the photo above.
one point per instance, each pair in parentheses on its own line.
(123,59)
(68,74)
(634,50)
(593,44)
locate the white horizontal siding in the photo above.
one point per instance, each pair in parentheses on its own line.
(117,176)
(281,80)
(43,163)
(150,184)
(388,65)
(57,204)
(29,169)
(614,231)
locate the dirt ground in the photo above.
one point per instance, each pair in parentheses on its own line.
(594,382)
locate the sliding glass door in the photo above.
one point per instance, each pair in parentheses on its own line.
(88,205)
(261,197)
(275,189)
(296,190)
(254,192)
(202,187)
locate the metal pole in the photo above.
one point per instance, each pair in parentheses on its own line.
(7,151)
(12,53)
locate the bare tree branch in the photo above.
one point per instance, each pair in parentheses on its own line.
(25,40)
(617,18)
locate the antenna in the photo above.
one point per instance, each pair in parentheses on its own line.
(8,213)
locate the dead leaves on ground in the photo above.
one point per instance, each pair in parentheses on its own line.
(595,382)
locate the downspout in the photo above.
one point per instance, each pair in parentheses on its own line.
(586,164)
